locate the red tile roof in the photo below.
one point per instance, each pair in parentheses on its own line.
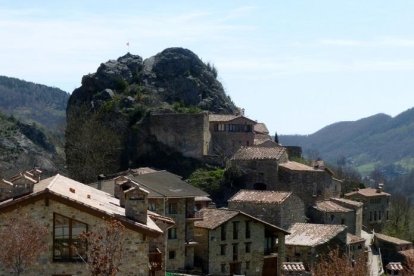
(391,239)
(310,234)
(330,207)
(260,196)
(261,153)
(295,166)
(368,192)
(351,238)
(293,266)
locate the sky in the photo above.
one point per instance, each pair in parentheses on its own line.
(295,65)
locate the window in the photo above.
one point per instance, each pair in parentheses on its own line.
(235,252)
(247,265)
(172,233)
(223,232)
(235,230)
(342,221)
(375,215)
(171,254)
(370,216)
(248,246)
(223,268)
(223,249)
(387,215)
(67,245)
(247,228)
(172,208)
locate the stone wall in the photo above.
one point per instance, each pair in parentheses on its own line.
(135,259)
(346,218)
(184,132)
(310,186)
(290,211)
(258,172)
(183,258)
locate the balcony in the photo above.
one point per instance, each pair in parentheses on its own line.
(190,243)
(155,260)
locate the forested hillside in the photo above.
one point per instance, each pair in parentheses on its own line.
(379,141)
(31,102)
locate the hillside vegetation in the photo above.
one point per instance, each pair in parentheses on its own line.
(379,141)
(107,117)
(34,103)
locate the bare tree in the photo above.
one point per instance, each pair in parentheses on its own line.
(336,263)
(92,148)
(22,242)
(105,248)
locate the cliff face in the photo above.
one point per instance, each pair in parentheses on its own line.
(107,126)
(24,146)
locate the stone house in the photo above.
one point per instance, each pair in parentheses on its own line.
(232,242)
(311,184)
(168,196)
(355,246)
(338,211)
(67,208)
(277,208)
(392,249)
(229,133)
(259,166)
(307,241)
(206,136)
(376,206)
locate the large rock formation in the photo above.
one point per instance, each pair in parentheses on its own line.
(107,126)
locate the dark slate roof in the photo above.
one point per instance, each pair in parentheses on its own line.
(257,152)
(164,183)
(391,239)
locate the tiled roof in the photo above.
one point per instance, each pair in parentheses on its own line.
(202,198)
(368,192)
(213,218)
(391,239)
(351,238)
(263,140)
(221,117)
(347,202)
(295,166)
(260,196)
(87,196)
(309,234)
(396,266)
(293,266)
(260,128)
(330,207)
(259,153)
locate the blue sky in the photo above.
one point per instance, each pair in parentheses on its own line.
(295,65)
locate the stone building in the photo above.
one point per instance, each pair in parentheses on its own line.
(259,166)
(277,208)
(355,246)
(307,241)
(19,184)
(338,211)
(229,133)
(61,204)
(392,249)
(168,196)
(184,132)
(206,136)
(232,242)
(311,184)
(376,206)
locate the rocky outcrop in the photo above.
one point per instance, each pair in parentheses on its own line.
(108,113)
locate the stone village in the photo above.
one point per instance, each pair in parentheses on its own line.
(284,219)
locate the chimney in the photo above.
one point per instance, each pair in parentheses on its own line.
(136,204)
(121,184)
(380,188)
(100,178)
